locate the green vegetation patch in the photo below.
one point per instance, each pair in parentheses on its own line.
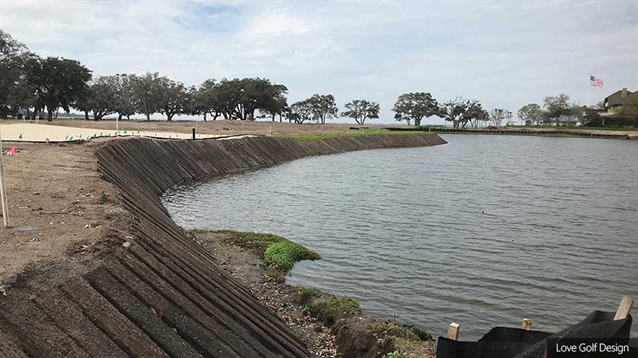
(306,294)
(278,251)
(333,309)
(407,332)
(200,231)
(399,354)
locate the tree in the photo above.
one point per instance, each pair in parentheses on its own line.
(102,97)
(57,82)
(557,107)
(301,111)
(145,93)
(126,102)
(13,87)
(497,115)
(360,110)
(630,109)
(241,98)
(276,103)
(462,111)
(591,117)
(207,99)
(415,106)
(531,114)
(174,99)
(323,107)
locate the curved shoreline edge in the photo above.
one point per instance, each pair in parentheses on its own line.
(153,291)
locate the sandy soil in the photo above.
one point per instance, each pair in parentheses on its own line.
(219,127)
(57,204)
(224,127)
(33,132)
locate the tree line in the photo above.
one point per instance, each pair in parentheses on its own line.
(560,111)
(33,86)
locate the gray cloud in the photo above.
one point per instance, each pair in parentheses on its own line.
(505,54)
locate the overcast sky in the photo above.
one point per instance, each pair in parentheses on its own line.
(503,53)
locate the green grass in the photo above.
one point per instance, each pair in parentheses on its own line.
(354,133)
(331,310)
(278,251)
(306,294)
(200,231)
(399,354)
(409,333)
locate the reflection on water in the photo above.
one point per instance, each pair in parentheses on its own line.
(482,231)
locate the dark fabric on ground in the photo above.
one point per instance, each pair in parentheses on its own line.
(501,342)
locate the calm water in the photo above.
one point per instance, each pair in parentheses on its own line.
(482,231)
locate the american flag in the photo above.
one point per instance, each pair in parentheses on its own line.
(595,82)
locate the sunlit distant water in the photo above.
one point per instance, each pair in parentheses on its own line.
(482,231)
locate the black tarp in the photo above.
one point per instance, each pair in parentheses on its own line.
(501,342)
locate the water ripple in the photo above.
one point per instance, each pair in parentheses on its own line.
(482,231)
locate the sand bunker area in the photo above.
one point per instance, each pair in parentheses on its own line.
(42,133)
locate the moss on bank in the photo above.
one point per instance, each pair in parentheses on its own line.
(278,251)
(357,335)
(327,308)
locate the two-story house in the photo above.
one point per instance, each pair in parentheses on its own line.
(614,102)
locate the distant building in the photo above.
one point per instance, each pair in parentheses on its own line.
(614,102)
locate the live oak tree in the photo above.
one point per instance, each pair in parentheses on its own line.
(57,82)
(14,91)
(126,103)
(557,107)
(415,106)
(145,93)
(301,111)
(360,110)
(102,97)
(498,114)
(276,103)
(174,99)
(531,113)
(242,98)
(462,111)
(207,100)
(323,107)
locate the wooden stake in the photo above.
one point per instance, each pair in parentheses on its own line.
(624,308)
(527,324)
(3,191)
(453,331)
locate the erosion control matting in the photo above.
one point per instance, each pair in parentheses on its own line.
(154,292)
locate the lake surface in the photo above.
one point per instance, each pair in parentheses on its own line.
(482,231)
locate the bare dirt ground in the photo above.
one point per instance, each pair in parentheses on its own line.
(57,204)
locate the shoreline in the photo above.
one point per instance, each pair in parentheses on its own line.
(330,325)
(123,278)
(539,132)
